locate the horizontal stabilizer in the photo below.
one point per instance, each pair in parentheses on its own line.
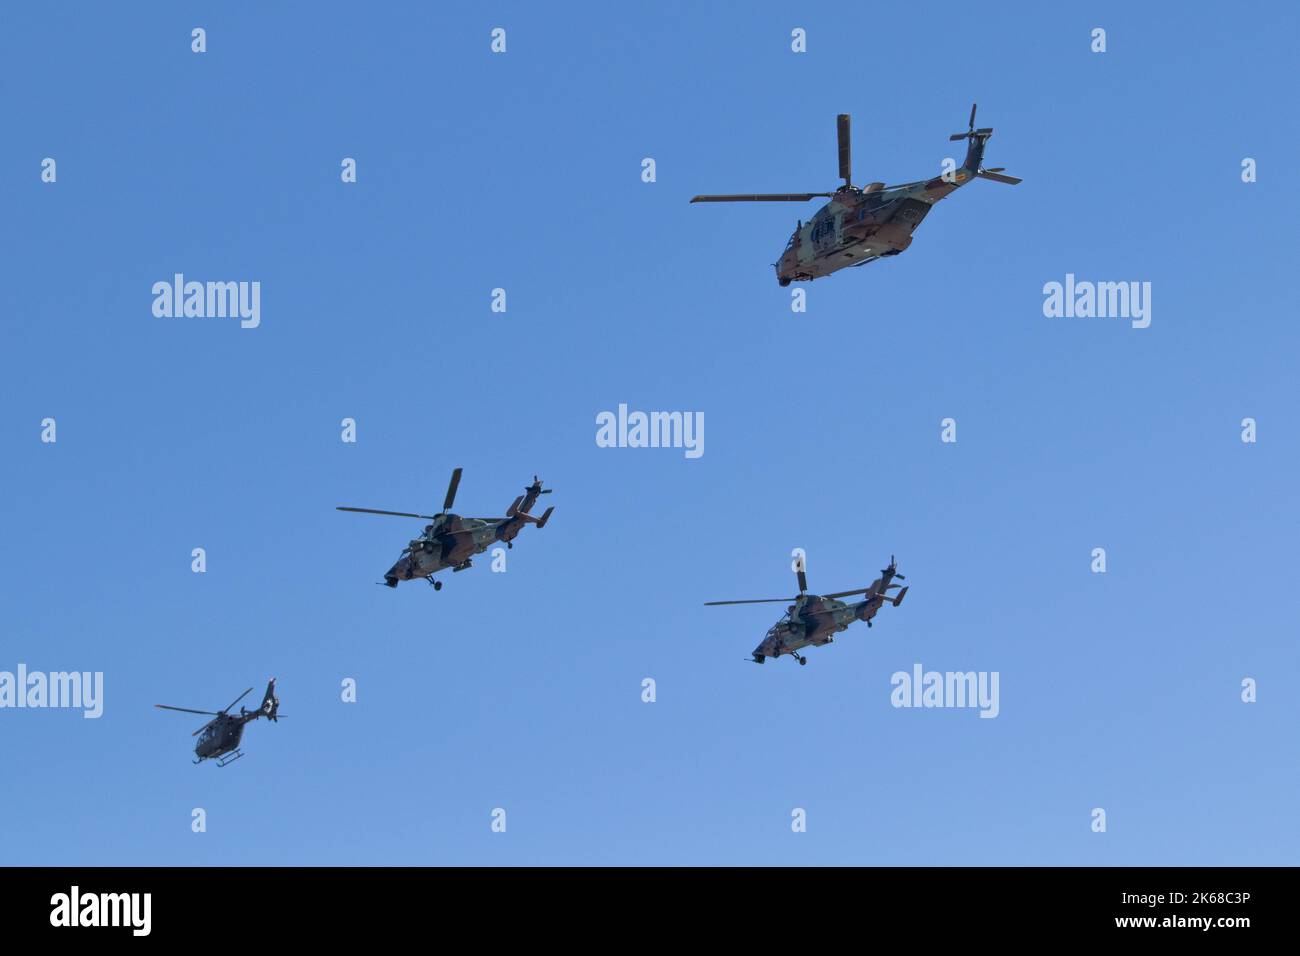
(898,599)
(999,178)
(540,522)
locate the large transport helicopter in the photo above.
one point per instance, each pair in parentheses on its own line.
(451,541)
(861,225)
(219,738)
(814,619)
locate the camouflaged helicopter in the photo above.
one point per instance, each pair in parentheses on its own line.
(815,619)
(861,225)
(219,738)
(451,541)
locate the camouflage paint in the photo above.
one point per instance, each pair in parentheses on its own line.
(451,541)
(861,225)
(813,621)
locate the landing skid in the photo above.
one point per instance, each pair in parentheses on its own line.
(230,758)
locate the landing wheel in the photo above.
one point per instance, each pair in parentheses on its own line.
(802,661)
(509,545)
(437,585)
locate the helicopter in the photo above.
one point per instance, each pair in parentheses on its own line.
(861,225)
(815,619)
(451,541)
(219,738)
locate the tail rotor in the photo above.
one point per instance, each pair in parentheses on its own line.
(975,152)
(889,573)
(522,506)
(972,132)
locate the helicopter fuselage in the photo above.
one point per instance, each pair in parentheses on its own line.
(220,737)
(813,620)
(861,225)
(451,540)
(449,544)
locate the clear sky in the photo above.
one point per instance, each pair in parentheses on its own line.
(523,690)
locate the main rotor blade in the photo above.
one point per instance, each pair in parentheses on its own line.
(187,710)
(840,594)
(842,134)
(763,197)
(803,582)
(395,514)
(451,491)
(758,601)
(237,700)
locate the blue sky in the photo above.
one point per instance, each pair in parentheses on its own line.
(522,690)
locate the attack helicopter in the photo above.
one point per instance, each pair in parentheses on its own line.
(451,541)
(815,619)
(219,738)
(861,225)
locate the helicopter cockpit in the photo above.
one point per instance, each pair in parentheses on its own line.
(786,624)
